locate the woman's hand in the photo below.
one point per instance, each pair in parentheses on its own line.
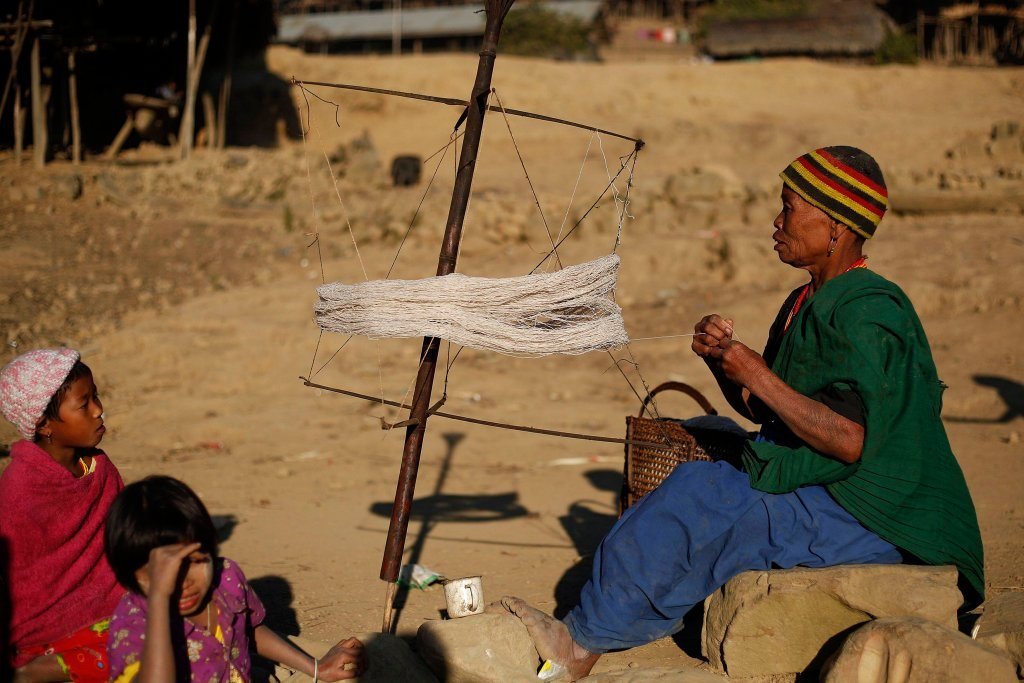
(739,363)
(711,332)
(164,568)
(345,660)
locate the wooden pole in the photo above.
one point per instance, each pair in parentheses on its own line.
(396,27)
(405,490)
(21,32)
(39,132)
(19,125)
(920,35)
(210,122)
(187,128)
(76,131)
(195,71)
(225,86)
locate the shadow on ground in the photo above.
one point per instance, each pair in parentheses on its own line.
(1010,392)
(442,507)
(587,522)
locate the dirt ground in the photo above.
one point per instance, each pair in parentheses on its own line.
(189,288)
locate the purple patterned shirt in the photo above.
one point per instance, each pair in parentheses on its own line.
(205,658)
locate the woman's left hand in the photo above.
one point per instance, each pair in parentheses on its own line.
(344,661)
(739,362)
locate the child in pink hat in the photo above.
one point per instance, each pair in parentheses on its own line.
(55,495)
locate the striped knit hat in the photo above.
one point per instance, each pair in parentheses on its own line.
(844,182)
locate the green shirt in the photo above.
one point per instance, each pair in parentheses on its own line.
(860,333)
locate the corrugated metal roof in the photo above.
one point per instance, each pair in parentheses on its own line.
(422,22)
(850,29)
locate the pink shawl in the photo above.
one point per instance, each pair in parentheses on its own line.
(52,526)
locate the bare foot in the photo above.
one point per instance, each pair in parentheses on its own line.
(552,639)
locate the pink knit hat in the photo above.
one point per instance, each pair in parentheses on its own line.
(28,383)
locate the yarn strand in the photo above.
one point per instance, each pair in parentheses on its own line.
(569,311)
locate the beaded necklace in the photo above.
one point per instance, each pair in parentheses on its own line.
(859,263)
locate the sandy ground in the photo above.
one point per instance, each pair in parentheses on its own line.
(189,290)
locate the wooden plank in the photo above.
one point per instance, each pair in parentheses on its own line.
(39,132)
(17,26)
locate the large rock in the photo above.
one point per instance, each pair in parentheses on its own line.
(1001,627)
(487,647)
(776,622)
(67,186)
(915,650)
(658,675)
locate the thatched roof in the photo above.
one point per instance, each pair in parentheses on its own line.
(847,29)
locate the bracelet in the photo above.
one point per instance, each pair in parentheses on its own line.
(316,670)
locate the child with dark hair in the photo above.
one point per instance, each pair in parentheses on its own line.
(189,614)
(54,498)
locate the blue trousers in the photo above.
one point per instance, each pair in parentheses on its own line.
(687,538)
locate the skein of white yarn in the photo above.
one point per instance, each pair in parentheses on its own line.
(569,311)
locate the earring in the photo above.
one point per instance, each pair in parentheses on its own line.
(832,246)
(49,438)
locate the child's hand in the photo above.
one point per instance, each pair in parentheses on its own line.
(164,568)
(344,661)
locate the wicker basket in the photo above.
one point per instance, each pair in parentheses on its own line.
(647,466)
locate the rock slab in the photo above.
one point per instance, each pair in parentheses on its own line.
(656,675)
(785,621)
(1001,627)
(483,648)
(914,650)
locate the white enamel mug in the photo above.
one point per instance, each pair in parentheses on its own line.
(464,596)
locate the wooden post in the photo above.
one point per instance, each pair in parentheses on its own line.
(406,488)
(225,86)
(920,35)
(210,121)
(198,56)
(76,131)
(396,27)
(187,115)
(19,125)
(39,132)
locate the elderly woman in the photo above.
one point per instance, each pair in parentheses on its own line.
(851,466)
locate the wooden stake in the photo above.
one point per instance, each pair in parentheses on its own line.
(389,600)
(39,132)
(76,131)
